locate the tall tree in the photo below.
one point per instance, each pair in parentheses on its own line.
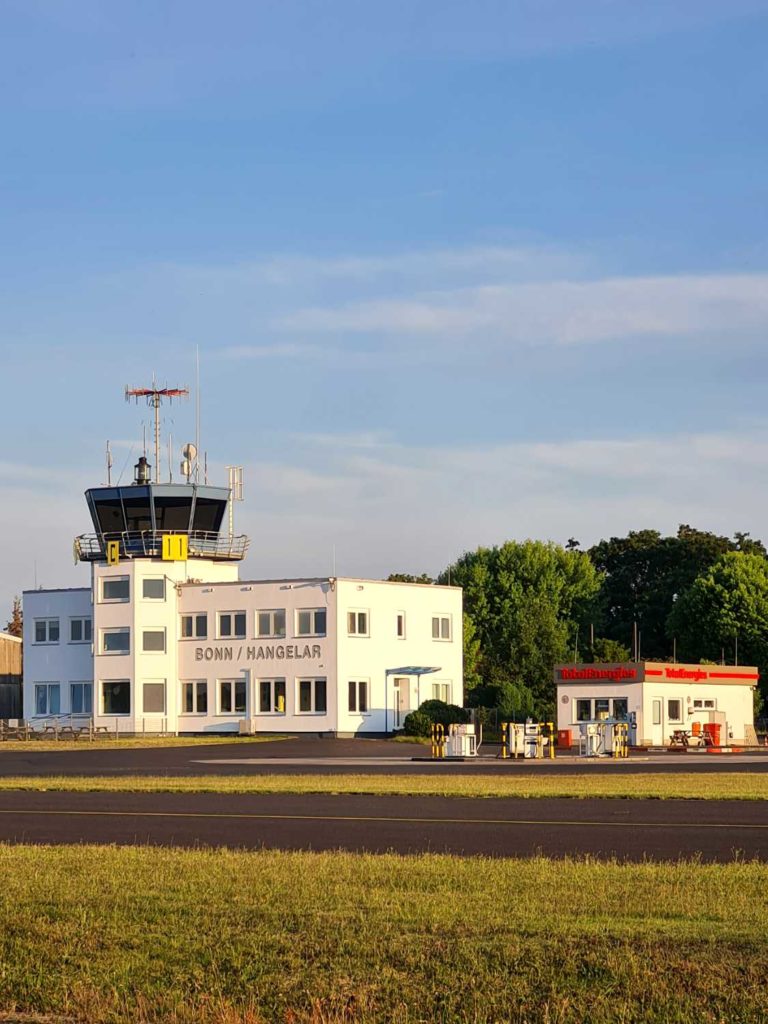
(16,622)
(526,601)
(644,574)
(406,577)
(726,605)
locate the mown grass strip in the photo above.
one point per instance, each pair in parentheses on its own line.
(134,742)
(104,934)
(640,786)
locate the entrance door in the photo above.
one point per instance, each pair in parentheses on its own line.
(657,722)
(402,688)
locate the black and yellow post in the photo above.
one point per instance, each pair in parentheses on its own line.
(504,727)
(438,739)
(551,734)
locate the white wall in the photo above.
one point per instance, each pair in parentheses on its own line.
(371,657)
(63,662)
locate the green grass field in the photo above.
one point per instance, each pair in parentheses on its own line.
(626,785)
(105,934)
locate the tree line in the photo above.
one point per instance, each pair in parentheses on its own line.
(695,596)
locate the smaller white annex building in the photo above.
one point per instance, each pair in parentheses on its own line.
(658,699)
(166,637)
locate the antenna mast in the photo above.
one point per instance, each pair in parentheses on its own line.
(154,397)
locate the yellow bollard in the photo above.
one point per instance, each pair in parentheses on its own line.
(504,751)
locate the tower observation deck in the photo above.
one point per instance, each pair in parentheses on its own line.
(133,520)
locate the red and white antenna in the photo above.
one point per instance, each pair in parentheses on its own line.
(154,397)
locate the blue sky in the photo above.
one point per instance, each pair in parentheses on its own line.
(457,272)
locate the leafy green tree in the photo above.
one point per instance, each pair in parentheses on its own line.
(16,622)
(604,650)
(404,577)
(526,601)
(644,573)
(727,604)
(472,656)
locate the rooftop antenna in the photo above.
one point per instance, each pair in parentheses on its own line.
(235,494)
(109,466)
(189,463)
(197,412)
(154,397)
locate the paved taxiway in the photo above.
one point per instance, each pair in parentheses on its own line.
(627,829)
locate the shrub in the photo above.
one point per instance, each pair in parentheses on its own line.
(446,714)
(417,724)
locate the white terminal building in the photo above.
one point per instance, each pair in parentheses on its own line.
(168,638)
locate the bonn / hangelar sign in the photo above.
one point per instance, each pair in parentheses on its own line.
(258,652)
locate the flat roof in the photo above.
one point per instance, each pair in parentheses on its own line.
(57,590)
(654,672)
(317,579)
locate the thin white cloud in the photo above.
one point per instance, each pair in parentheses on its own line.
(560,312)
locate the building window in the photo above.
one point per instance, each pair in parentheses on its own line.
(153,697)
(81,698)
(401,625)
(231,696)
(602,708)
(312,696)
(115,588)
(700,704)
(357,623)
(194,698)
(47,698)
(358,696)
(657,712)
(153,641)
(272,696)
(674,710)
(153,589)
(80,630)
(270,622)
(441,627)
(232,625)
(583,710)
(116,641)
(46,631)
(620,709)
(116,697)
(194,626)
(310,622)
(441,691)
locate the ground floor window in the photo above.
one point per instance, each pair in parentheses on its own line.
(441,691)
(702,703)
(312,696)
(590,709)
(116,696)
(153,697)
(81,698)
(358,696)
(272,696)
(232,696)
(194,698)
(674,710)
(47,698)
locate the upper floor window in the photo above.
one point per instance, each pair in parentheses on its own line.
(116,641)
(115,588)
(441,627)
(46,631)
(153,588)
(232,625)
(47,698)
(357,623)
(270,622)
(153,641)
(310,622)
(80,630)
(194,626)
(401,625)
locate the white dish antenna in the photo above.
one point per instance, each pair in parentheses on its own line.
(189,454)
